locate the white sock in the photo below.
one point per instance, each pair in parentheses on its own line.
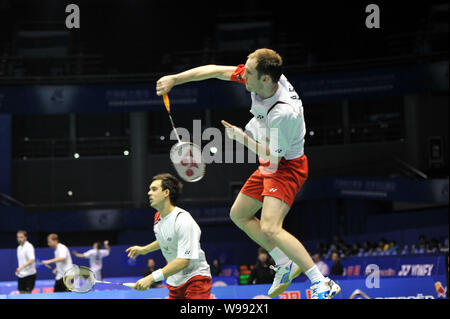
(314,274)
(278,256)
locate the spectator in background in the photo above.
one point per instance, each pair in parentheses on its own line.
(95,256)
(380,248)
(347,250)
(340,244)
(151,268)
(434,246)
(337,269)
(333,249)
(322,248)
(216,269)
(62,259)
(405,250)
(392,248)
(262,273)
(361,252)
(323,267)
(368,250)
(355,249)
(26,270)
(423,243)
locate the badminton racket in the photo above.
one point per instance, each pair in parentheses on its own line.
(186,157)
(82,279)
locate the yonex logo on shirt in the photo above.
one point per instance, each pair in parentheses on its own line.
(272,190)
(260,117)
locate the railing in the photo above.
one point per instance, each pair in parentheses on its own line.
(65,147)
(25,148)
(355,133)
(6,200)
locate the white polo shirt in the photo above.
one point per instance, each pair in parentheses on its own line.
(61,267)
(95,260)
(283,129)
(25,253)
(178,236)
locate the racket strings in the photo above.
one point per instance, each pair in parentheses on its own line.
(186,157)
(79,279)
(187,160)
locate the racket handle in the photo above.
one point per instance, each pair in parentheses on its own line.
(166,102)
(129,284)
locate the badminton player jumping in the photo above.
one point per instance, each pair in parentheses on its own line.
(178,236)
(284,168)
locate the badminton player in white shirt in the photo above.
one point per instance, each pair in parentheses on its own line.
(276,134)
(187,272)
(95,256)
(26,272)
(62,259)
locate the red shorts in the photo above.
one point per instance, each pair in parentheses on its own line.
(284,183)
(197,287)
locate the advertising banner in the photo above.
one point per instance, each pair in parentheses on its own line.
(140,97)
(388,288)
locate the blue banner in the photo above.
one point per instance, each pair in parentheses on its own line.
(117,264)
(137,97)
(388,288)
(392,189)
(423,265)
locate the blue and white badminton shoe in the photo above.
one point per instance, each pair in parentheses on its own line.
(283,277)
(326,289)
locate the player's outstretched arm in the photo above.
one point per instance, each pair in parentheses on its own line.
(240,136)
(106,244)
(77,254)
(54,260)
(135,251)
(211,71)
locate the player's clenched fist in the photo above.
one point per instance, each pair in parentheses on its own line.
(144,283)
(165,84)
(134,251)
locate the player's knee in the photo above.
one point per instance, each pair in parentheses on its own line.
(270,230)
